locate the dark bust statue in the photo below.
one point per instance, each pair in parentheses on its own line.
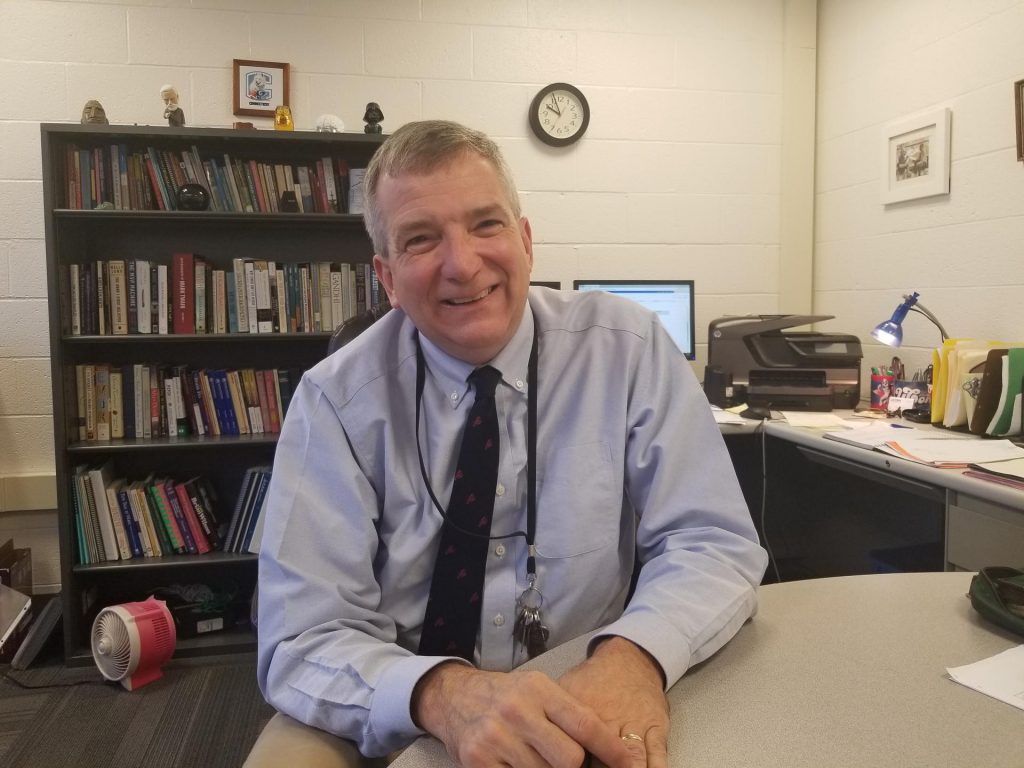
(372,118)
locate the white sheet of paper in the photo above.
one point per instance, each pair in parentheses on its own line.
(725,417)
(816,420)
(1000,676)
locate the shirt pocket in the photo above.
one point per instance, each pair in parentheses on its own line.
(578,510)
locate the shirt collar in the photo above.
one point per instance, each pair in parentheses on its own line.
(513,361)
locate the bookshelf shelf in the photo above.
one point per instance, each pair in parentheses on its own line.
(317,337)
(170,562)
(137,169)
(189,443)
(207,217)
(227,641)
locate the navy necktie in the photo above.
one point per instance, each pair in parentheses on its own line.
(452,618)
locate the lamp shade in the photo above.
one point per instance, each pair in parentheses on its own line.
(890,332)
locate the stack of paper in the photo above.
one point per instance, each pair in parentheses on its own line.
(932,447)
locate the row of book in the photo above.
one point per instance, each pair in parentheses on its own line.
(119,519)
(150,400)
(149,179)
(116,519)
(192,296)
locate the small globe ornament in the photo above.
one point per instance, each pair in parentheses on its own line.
(193,197)
(329,124)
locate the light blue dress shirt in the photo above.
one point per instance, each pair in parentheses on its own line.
(629,459)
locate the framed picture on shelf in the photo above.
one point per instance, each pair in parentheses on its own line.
(916,156)
(259,87)
(1018,97)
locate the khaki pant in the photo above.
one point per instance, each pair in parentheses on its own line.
(287,742)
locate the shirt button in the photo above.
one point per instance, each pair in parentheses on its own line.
(499,620)
(499,551)
(499,489)
(455,396)
(519,383)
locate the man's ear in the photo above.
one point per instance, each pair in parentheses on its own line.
(383,270)
(526,232)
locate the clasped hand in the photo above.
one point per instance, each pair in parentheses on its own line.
(528,720)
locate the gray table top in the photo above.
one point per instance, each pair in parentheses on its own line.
(847,671)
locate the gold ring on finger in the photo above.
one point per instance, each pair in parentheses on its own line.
(632,737)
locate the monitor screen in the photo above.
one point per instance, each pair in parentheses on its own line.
(670,300)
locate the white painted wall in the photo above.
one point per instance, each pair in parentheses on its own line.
(880,60)
(679,174)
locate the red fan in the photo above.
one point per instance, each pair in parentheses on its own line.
(132,641)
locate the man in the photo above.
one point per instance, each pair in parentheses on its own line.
(628,462)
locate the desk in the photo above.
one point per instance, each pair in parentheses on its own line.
(834,672)
(977,523)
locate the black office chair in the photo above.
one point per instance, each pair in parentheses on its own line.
(355,325)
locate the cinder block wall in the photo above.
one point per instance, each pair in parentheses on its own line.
(678,175)
(964,252)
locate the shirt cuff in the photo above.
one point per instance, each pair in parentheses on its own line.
(391,710)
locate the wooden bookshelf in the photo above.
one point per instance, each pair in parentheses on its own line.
(77,233)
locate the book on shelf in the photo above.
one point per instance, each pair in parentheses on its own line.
(128,521)
(250,497)
(102,401)
(183,281)
(95,483)
(355,189)
(116,409)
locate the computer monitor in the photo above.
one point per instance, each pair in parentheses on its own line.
(671,300)
(557,285)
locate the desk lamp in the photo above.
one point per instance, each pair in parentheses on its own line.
(891,331)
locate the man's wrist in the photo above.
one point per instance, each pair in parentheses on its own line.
(615,645)
(432,692)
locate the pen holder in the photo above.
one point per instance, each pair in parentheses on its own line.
(907,394)
(881,386)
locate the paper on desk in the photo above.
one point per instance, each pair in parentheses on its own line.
(1009,468)
(816,420)
(1000,676)
(725,417)
(951,453)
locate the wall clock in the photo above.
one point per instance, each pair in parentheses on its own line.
(559,114)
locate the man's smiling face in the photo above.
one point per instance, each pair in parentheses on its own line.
(458,259)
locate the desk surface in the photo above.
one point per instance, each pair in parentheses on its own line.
(847,671)
(951,479)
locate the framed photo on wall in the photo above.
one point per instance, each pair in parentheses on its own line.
(1018,98)
(917,152)
(259,87)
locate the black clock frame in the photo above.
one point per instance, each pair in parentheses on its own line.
(538,129)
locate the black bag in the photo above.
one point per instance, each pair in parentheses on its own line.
(997,593)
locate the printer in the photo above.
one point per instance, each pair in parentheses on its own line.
(760,362)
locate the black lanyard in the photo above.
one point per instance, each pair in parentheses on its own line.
(531,459)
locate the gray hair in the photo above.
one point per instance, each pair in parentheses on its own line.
(421,147)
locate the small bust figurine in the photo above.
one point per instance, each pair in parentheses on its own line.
(94,114)
(172,112)
(372,118)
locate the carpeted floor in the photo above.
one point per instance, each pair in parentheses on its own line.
(203,712)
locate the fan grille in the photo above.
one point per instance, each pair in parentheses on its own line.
(111,645)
